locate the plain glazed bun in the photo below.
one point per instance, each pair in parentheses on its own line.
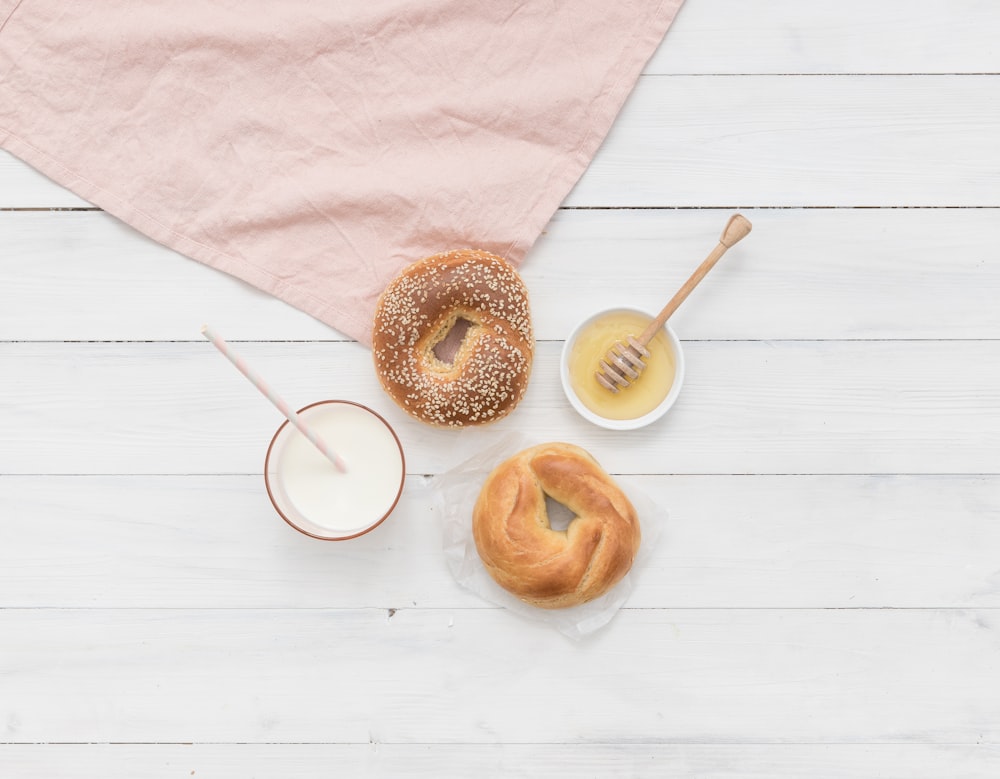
(489,373)
(545,567)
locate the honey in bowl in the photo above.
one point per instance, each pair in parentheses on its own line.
(590,347)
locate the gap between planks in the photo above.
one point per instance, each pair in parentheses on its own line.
(55,209)
(480,744)
(485,607)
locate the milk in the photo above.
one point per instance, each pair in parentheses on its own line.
(315,497)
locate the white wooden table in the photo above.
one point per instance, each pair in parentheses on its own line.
(824,602)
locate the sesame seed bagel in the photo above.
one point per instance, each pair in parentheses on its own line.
(489,373)
(526,556)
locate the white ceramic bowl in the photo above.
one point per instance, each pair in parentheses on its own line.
(622,424)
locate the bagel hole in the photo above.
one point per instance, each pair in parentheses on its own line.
(447,348)
(559,516)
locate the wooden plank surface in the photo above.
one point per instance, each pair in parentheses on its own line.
(514,761)
(746,407)
(478,676)
(850,36)
(801,141)
(731,541)
(804,274)
(823,601)
(781,141)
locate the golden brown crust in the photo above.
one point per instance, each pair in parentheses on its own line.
(489,375)
(545,567)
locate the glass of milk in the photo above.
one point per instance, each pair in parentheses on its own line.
(313,496)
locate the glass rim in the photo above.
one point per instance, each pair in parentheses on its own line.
(368,528)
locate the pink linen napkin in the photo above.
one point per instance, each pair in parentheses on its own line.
(314,148)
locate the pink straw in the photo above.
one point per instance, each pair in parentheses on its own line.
(271,395)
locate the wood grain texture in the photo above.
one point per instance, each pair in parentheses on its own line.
(750,407)
(851,36)
(800,141)
(824,600)
(802,273)
(513,761)
(783,141)
(731,541)
(481,676)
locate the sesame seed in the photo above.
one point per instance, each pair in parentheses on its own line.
(416,311)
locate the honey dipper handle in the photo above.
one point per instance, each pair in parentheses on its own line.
(737,228)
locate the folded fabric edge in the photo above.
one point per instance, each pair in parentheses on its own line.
(7,8)
(636,52)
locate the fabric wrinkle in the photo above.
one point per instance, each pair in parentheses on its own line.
(314,150)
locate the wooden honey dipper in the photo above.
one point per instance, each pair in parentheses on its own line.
(625,361)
